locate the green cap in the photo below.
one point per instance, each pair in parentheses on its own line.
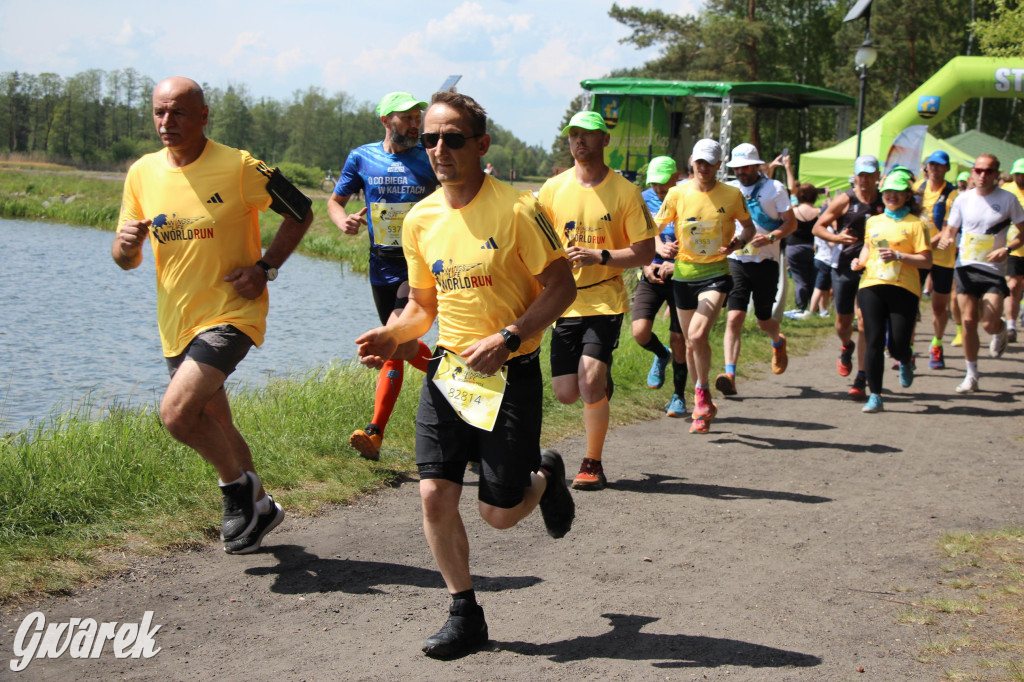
(902,170)
(896,180)
(1018,167)
(963,177)
(661,169)
(398,101)
(588,120)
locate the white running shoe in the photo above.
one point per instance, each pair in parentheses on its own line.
(968,385)
(998,343)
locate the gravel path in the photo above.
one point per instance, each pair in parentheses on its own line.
(771,549)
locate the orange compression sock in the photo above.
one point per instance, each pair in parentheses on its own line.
(389,385)
(595,423)
(422,357)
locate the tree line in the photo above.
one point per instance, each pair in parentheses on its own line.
(103,119)
(807,42)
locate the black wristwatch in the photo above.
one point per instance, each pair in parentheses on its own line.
(512,341)
(269,269)
(605,255)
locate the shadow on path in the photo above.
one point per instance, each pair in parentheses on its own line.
(301,572)
(765,443)
(673,485)
(625,641)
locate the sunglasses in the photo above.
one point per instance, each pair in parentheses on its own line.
(451,140)
(983,171)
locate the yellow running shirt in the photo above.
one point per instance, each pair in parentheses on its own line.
(610,216)
(908,235)
(705,221)
(947,257)
(482,260)
(1011,234)
(205,224)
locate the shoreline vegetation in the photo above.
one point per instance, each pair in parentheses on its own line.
(79,496)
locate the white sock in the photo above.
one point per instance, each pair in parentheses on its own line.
(240,479)
(263,505)
(1011,324)
(972,369)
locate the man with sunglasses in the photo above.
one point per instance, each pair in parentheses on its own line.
(605,227)
(486,263)
(393,175)
(982,217)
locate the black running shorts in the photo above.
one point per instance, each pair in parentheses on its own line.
(508,454)
(221,347)
(595,336)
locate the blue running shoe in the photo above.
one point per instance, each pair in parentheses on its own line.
(874,404)
(907,372)
(676,407)
(656,377)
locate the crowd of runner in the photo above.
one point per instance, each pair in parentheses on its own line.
(495,267)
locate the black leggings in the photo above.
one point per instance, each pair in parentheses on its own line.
(881,304)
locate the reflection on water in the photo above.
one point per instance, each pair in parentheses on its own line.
(74,326)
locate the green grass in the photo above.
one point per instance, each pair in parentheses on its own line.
(975,620)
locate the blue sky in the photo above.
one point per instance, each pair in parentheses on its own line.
(522,60)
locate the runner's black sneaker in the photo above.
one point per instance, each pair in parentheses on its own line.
(239,508)
(556,504)
(465,631)
(247,544)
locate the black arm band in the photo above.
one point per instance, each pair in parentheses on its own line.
(287,199)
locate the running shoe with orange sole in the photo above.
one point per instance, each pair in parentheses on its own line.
(726,384)
(367,441)
(702,419)
(844,364)
(591,475)
(780,358)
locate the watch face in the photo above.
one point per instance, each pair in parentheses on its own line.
(271,274)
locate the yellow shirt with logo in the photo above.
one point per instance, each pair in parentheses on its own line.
(610,216)
(908,235)
(1011,234)
(947,257)
(481,259)
(705,221)
(205,224)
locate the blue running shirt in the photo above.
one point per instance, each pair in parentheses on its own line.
(392,184)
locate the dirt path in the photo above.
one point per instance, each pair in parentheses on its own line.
(767,550)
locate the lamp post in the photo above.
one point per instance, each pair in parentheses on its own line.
(865,57)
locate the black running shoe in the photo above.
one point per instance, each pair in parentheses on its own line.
(239,508)
(247,544)
(465,632)
(556,504)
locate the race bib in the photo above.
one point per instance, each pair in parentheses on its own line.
(749,250)
(888,272)
(475,397)
(976,247)
(387,222)
(701,237)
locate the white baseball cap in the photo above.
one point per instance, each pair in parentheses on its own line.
(707,150)
(744,155)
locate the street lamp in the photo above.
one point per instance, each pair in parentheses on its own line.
(865,57)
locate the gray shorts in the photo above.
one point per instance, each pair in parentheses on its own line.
(221,347)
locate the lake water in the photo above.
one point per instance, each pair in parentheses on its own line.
(74,327)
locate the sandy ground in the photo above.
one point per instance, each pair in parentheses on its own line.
(770,549)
